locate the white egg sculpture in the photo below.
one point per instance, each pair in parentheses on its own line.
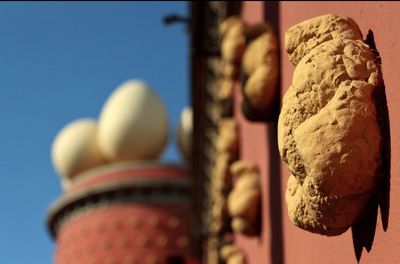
(75,149)
(133,123)
(65,183)
(185,132)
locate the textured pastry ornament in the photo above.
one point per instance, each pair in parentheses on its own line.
(260,67)
(233,39)
(232,254)
(218,215)
(244,199)
(225,91)
(226,149)
(233,44)
(221,179)
(225,96)
(227,140)
(327,131)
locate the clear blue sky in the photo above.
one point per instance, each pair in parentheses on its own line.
(59,62)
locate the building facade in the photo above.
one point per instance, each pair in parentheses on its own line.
(124,213)
(156,213)
(374,238)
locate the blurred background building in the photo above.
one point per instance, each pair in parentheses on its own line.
(124,213)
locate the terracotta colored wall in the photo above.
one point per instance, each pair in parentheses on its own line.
(281,241)
(124,233)
(133,212)
(258,144)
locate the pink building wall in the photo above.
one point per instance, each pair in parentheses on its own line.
(281,241)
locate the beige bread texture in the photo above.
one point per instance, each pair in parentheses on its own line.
(254,49)
(260,65)
(218,211)
(260,50)
(244,199)
(232,254)
(233,44)
(242,167)
(220,174)
(226,147)
(225,90)
(327,130)
(227,140)
(243,226)
(260,88)
(303,37)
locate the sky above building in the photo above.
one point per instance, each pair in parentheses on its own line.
(59,62)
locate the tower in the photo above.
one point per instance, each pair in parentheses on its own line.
(131,212)
(121,205)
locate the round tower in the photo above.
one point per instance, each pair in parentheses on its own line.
(120,204)
(125,213)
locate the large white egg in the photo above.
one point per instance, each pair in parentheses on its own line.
(133,123)
(75,148)
(185,132)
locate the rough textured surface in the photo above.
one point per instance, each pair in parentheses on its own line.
(229,70)
(302,38)
(327,130)
(229,23)
(221,176)
(241,167)
(260,88)
(243,203)
(225,89)
(244,226)
(261,50)
(244,199)
(226,147)
(233,39)
(218,213)
(232,254)
(260,65)
(227,140)
(224,96)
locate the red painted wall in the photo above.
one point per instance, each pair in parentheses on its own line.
(125,233)
(147,231)
(281,241)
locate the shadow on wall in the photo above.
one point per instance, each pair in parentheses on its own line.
(364,230)
(175,260)
(271,11)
